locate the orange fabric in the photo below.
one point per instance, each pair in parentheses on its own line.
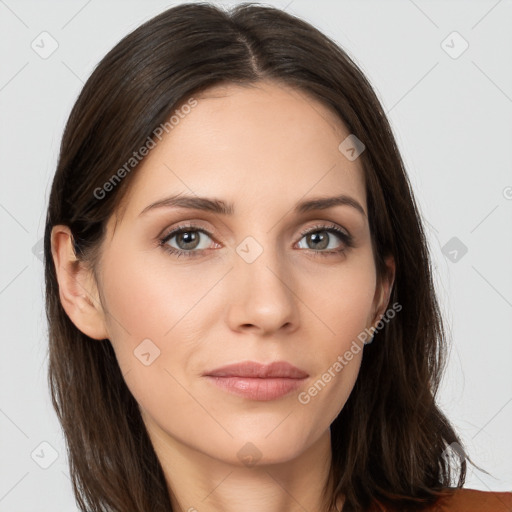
(464,500)
(471,500)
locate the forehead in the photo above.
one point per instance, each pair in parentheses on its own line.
(266,141)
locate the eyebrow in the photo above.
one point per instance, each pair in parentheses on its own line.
(221,207)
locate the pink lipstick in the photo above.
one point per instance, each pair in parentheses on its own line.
(257,381)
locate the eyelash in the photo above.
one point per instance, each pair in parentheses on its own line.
(331,228)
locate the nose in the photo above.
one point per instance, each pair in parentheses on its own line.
(262,296)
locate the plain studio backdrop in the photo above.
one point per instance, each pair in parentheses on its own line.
(442,70)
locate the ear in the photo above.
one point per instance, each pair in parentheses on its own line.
(383,290)
(78,289)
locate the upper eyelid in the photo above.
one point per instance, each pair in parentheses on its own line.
(328,226)
(173,231)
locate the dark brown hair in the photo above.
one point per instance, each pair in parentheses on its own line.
(389,440)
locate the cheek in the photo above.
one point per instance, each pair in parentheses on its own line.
(157,319)
(344,306)
(154,325)
(148,298)
(342,300)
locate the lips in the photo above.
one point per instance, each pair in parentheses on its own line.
(257,381)
(251,369)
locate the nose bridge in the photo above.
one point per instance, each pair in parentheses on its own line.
(263,282)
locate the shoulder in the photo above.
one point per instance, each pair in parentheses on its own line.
(471,500)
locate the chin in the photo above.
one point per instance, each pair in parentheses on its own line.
(258,447)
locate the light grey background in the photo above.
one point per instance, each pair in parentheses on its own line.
(452,120)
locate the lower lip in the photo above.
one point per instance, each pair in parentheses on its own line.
(256,388)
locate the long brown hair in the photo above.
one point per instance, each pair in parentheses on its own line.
(389,441)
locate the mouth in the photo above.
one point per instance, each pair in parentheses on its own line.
(257,381)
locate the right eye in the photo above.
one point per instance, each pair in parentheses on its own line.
(188,237)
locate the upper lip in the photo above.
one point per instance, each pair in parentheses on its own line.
(253,369)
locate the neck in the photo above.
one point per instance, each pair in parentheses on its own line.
(200,483)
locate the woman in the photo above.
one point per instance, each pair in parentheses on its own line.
(241,310)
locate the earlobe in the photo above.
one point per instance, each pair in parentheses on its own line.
(77,286)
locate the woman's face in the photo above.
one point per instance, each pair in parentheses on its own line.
(249,286)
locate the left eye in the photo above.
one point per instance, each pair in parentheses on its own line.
(322,238)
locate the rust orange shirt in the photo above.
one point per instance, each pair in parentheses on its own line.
(467,500)
(471,500)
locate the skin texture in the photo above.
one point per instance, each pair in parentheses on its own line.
(264,148)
